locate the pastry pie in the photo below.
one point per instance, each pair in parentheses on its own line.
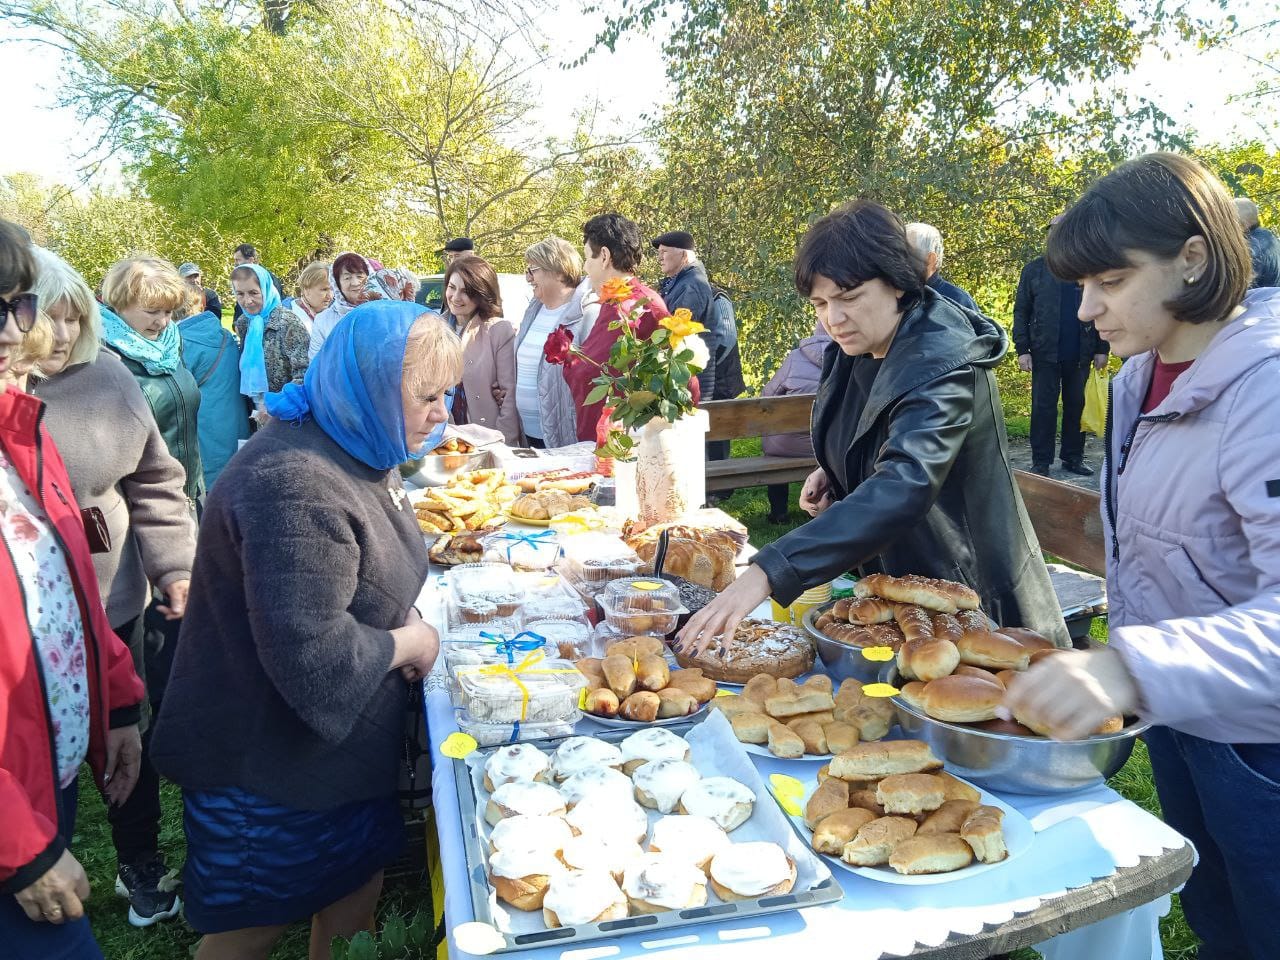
(722,799)
(521,877)
(530,799)
(546,504)
(745,871)
(659,785)
(582,896)
(580,753)
(759,646)
(658,882)
(652,744)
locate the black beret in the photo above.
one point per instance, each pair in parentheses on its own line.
(680,239)
(459,245)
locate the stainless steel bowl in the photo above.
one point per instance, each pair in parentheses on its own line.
(436,469)
(1003,762)
(841,660)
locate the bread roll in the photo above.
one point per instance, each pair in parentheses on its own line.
(911,793)
(983,831)
(1028,638)
(812,735)
(866,611)
(912,694)
(636,647)
(873,761)
(1038,655)
(962,699)
(760,688)
(1008,727)
(820,681)
(795,702)
(642,706)
(948,818)
(824,772)
(866,800)
(602,702)
(692,681)
(831,795)
(935,853)
(945,596)
(986,649)
(674,702)
(914,622)
(965,670)
(947,626)
(1111,725)
(928,659)
(590,667)
(784,742)
(958,789)
(822,716)
(1004,676)
(875,841)
(652,673)
(973,620)
(840,736)
(872,718)
(833,831)
(731,705)
(620,674)
(750,727)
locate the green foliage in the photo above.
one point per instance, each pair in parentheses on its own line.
(398,940)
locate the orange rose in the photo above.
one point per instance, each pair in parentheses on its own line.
(616,290)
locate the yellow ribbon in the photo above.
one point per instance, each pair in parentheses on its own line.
(512,673)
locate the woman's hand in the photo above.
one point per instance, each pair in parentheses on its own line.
(815,495)
(124,763)
(1073,693)
(499,394)
(417,646)
(719,619)
(176,594)
(58,894)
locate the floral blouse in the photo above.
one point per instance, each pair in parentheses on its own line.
(53,616)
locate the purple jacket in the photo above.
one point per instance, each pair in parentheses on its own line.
(1192,517)
(799,373)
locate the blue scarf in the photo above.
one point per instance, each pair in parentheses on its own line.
(253,364)
(159,356)
(352,387)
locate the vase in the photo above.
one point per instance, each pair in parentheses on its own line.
(668,476)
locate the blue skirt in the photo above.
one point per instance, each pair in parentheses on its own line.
(252,862)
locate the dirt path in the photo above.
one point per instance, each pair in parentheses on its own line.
(1020,455)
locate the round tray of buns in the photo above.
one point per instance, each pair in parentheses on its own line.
(634,685)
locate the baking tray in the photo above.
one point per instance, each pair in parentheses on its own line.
(828,890)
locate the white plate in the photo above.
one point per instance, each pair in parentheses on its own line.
(1018,837)
(620,724)
(762,751)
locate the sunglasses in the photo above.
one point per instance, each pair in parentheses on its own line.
(23,307)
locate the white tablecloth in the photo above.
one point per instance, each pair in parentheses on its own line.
(1080,837)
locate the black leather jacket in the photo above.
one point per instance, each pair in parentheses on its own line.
(925,486)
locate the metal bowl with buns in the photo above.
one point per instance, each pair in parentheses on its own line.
(437,469)
(842,661)
(1012,763)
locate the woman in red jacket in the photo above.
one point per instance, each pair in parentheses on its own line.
(68,691)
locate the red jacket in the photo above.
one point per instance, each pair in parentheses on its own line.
(29,791)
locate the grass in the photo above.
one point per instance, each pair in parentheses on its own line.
(175,941)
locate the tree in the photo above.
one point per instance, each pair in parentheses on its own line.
(957,114)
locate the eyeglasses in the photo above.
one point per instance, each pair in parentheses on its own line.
(23,307)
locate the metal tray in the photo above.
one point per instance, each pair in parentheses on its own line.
(842,661)
(828,891)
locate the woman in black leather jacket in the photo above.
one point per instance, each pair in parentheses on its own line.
(914,473)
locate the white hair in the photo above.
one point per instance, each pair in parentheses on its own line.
(927,239)
(56,281)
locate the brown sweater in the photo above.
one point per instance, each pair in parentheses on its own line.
(119,463)
(282,684)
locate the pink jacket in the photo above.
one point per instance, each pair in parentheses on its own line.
(1191,509)
(800,372)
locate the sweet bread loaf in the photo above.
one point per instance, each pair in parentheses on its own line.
(874,761)
(944,596)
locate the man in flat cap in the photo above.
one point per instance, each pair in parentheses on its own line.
(685,284)
(191,274)
(456,248)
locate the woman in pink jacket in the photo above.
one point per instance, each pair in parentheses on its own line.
(1191,509)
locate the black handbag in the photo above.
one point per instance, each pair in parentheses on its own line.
(414,788)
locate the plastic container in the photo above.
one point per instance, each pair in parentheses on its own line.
(549,597)
(545,691)
(640,589)
(592,560)
(568,639)
(484,592)
(634,616)
(491,734)
(524,551)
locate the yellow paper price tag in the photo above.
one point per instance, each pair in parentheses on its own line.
(878,654)
(458,745)
(880,690)
(788,791)
(725,693)
(582,699)
(646,585)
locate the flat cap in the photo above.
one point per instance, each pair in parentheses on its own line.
(188,269)
(459,245)
(679,239)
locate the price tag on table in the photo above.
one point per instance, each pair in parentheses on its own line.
(458,745)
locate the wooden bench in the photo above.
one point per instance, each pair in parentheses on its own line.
(1065,517)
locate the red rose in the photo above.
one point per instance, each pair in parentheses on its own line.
(559,342)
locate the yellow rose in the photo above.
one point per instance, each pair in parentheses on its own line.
(680,326)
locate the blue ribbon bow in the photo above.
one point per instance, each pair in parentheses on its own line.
(509,647)
(533,539)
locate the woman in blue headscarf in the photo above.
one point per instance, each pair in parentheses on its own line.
(284,723)
(273,340)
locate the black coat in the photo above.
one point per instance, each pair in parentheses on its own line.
(282,682)
(925,485)
(1037,314)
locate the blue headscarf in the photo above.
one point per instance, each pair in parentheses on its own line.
(352,387)
(253,364)
(158,356)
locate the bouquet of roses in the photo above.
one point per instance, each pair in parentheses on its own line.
(644,377)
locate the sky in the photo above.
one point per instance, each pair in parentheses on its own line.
(1193,86)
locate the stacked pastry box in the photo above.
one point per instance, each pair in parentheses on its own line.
(659,824)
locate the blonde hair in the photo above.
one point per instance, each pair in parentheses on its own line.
(558,256)
(56,282)
(36,345)
(143,281)
(191,304)
(315,274)
(432,356)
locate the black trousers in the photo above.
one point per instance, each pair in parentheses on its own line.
(779,499)
(135,824)
(1049,381)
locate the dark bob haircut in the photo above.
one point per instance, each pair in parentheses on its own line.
(1156,204)
(17,262)
(480,282)
(620,235)
(857,242)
